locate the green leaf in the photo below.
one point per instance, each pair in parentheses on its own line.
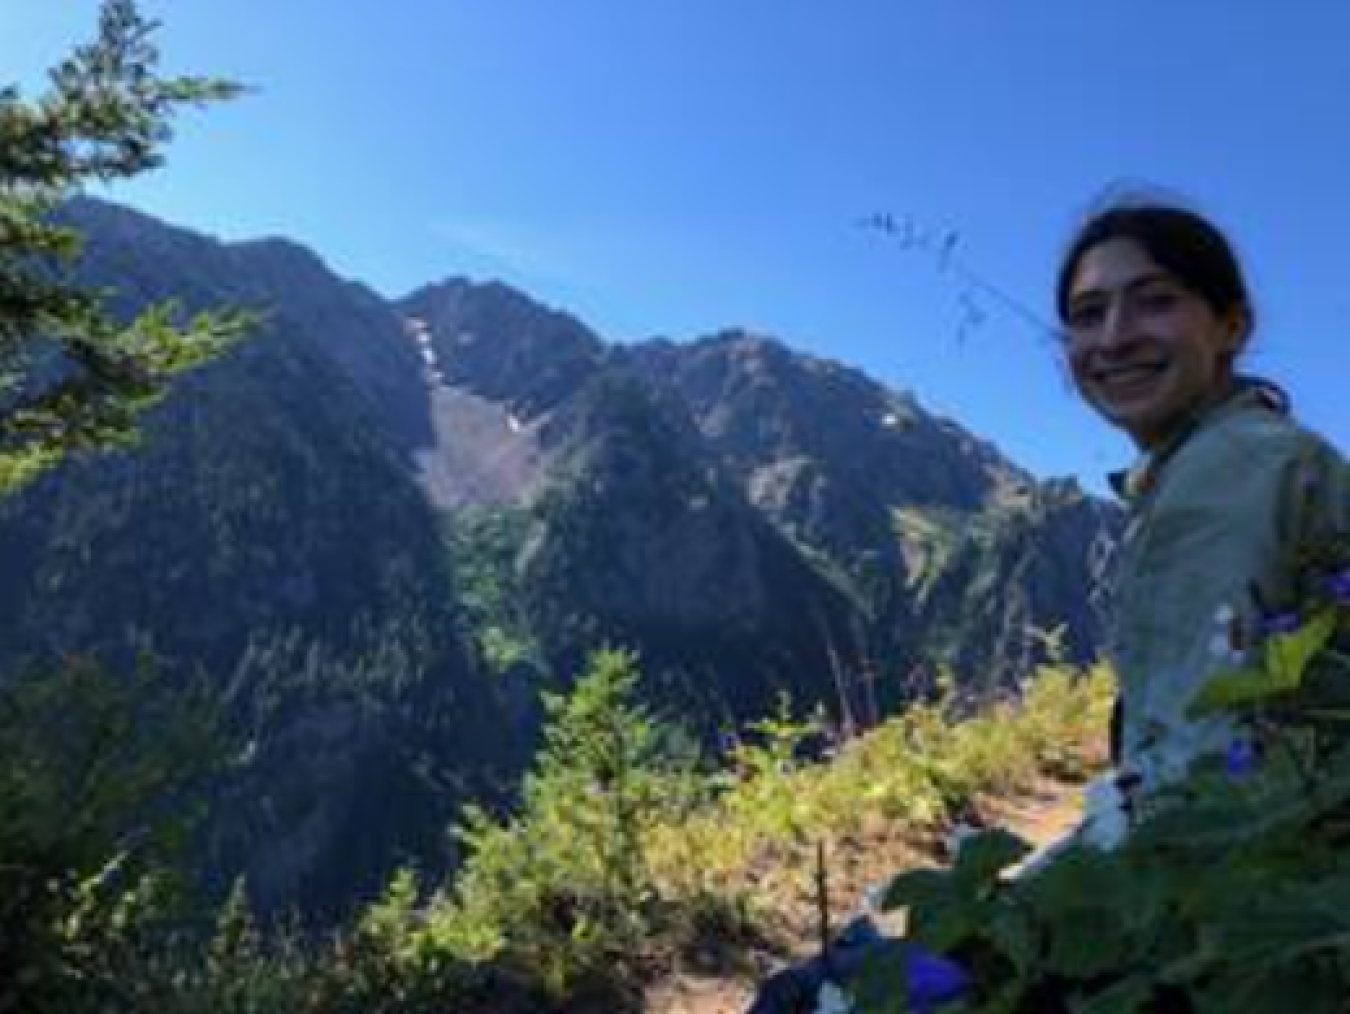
(1288,655)
(1086,943)
(1130,996)
(943,910)
(1302,987)
(1289,924)
(879,987)
(983,857)
(1284,661)
(917,889)
(1011,931)
(1233,687)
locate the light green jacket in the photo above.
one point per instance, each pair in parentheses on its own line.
(1217,519)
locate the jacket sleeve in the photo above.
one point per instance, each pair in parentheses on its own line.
(1316,508)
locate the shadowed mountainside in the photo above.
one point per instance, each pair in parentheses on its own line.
(381,528)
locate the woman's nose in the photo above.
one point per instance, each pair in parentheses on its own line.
(1118,326)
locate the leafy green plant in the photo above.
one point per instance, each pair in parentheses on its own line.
(1231,892)
(563,888)
(621,854)
(767,766)
(239,969)
(99,784)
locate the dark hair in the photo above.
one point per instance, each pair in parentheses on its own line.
(1181,242)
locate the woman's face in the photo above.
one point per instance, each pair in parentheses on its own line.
(1145,351)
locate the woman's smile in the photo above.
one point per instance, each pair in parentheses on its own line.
(1128,378)
(1145,351)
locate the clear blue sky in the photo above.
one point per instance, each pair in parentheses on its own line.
(677,166)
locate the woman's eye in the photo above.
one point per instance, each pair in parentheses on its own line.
(1086,315)
(1157,300)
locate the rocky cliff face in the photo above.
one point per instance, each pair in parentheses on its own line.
(637,532)
(645,540)
(382,527)
(503,346)
(267,531)
(946,550)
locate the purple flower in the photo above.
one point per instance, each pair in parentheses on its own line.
(1339,586)
(931,980)
(1241,758)
(1280,623)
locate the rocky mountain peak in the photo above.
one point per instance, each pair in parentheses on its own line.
(497,342)
(284,258)
(373,506)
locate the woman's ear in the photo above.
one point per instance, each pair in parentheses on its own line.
(1237,329)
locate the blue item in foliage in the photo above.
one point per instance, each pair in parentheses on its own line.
(930,979)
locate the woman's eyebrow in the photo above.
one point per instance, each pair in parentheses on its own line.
(1137,282)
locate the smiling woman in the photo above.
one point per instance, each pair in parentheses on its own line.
(1156,313)
(1230,496)
(1239,519)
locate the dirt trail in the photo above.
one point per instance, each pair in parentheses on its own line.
(1040,815)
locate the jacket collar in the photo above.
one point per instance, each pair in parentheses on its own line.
(1130,484)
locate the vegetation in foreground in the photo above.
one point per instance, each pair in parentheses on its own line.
(1231,892)
(625,853)
(625,849)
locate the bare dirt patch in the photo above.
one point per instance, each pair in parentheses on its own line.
(1042,813)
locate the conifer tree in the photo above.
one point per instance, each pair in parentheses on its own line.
(71,377)
(95,771)
(598,757)
(563,888)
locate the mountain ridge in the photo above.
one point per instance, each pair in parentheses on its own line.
(388,525)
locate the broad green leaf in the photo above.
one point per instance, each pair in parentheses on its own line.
(917,888)
(1085,943)
(1233,687)
(1290,924)
(1081,876)
(1011,931)
(983,857)
(1288,655)
(1284,661)
(879,987)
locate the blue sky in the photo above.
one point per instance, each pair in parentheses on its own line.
(672,167)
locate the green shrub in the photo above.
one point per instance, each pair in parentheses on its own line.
(99,776)
(1230,893)
(563,890)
